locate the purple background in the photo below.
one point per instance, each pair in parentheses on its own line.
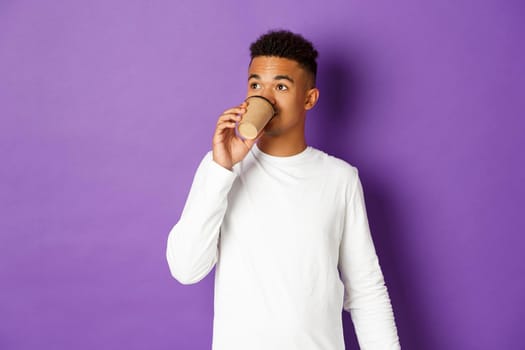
(108,106)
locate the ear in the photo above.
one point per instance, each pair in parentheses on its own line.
(312,96)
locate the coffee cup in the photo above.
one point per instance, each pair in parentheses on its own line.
(258,113)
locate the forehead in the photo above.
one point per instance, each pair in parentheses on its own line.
(271,66)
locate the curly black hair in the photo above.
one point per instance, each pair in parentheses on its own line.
(285,44)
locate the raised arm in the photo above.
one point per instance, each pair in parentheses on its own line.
(192,243)
(192,247)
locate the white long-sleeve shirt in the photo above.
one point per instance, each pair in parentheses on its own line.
(292,247)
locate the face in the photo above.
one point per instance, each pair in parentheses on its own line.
(288,86)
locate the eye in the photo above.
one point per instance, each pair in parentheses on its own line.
(255,86)
(282,87)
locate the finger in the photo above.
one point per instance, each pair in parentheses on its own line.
(224,125)
(236,110)
(228,118)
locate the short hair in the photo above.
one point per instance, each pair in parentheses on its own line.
(285,44)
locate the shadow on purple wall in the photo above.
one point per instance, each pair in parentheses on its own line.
(345,93)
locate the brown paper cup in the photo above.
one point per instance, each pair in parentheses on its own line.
(258,113)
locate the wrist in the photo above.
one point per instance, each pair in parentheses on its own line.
(226,165)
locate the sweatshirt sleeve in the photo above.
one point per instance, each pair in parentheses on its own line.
(366,295)
(192,246)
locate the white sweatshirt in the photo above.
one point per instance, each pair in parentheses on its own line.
(292,247)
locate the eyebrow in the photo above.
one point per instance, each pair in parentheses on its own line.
(277,77)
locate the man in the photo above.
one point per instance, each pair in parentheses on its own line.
(284,223)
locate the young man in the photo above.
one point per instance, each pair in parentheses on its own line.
(285,224)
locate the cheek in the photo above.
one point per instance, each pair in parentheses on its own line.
(291,103)
(298,103)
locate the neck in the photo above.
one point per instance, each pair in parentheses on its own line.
(280,146)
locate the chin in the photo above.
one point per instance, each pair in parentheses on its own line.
(272,132)
(269,132)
